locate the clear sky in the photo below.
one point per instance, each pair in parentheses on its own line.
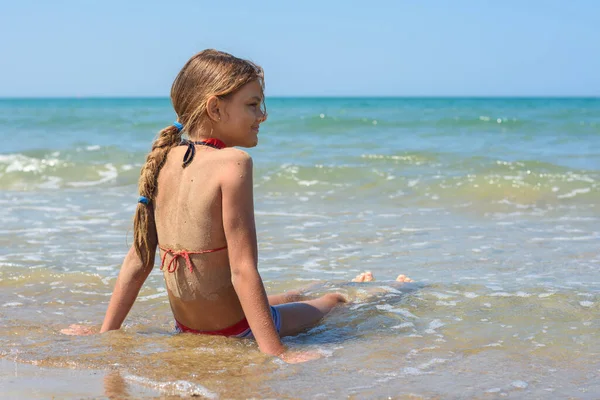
(307,48)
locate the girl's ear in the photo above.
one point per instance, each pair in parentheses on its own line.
(213,108)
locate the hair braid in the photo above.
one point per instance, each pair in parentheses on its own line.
(166,140)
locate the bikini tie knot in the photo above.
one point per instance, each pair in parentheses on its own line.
(172,266)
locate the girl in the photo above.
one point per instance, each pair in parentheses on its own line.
(196,206)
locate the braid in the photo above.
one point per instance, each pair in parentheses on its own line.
(166,140)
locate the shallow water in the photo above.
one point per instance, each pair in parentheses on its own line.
(496,221)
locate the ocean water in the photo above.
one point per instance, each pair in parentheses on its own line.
(491,205)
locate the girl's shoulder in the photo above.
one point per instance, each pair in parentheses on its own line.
(233,153)
(232,157)
(233,164)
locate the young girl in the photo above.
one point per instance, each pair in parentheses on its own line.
(196,206)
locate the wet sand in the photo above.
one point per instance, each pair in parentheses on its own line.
(26,381)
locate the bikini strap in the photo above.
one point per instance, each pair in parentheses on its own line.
(189,153)
(186,256)
(191,150)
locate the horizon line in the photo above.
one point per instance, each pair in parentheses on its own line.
(127,97)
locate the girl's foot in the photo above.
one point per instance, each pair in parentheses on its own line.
(403,278)
(366,276)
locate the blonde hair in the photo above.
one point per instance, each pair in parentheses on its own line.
(208,73)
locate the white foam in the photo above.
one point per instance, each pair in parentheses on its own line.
(493,345)
(412,371)
(307,183)
(523,294)
(585,294)
(21,163)
(106,176)
(175,387)
(445,303)
(501,294)
(89,293)
(574,193)
(390,289)
(417,229)
(441,296)
(404,325)
(307,240)
(494,287)
(566,239)
(493,390)
(52,182)
(12,304)
(519,384)
(401,311)
(435,324)
(433,361)
(152,296)
(586,303)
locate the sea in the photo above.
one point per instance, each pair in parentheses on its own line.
(492,206)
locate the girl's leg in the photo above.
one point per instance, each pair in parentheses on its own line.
(292,295)
(287,297)
(298,316)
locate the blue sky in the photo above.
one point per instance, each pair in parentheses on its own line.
(309,48)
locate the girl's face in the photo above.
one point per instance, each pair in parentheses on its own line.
(241,116)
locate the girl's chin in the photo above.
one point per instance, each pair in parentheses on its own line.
(253,140)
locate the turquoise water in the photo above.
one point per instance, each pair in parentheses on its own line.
(492,205)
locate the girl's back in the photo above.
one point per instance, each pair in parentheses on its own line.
(188,216)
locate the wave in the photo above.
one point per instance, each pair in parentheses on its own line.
(81,167)
(430,179)
(423,177)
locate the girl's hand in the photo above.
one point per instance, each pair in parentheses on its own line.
(78,330)
(296,357)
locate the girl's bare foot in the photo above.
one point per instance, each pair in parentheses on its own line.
(366,276)
(403,278)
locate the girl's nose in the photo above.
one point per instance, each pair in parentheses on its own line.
(262,116)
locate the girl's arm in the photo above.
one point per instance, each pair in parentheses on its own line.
(131,278)
(240,232)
